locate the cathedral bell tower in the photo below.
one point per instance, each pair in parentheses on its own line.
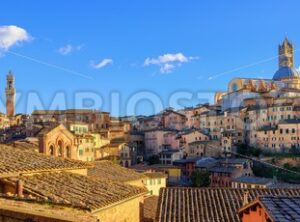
(286,54)
(10,93)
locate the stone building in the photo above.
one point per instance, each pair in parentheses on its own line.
(10,93)
(154,182)
(227,170)
(39,187)
(96,120)
(221,205)
(57,141)
(269,208)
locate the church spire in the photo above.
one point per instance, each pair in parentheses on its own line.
(286,54)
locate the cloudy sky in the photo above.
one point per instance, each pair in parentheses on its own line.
(117,49)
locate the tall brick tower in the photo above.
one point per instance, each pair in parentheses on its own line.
(10,93)
(286,54)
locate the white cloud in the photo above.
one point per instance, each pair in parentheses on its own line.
(168,62)
(68,49)
(12,35)
(167,68)
(102,63)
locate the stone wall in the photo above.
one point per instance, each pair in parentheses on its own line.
(129,211)
(12,216)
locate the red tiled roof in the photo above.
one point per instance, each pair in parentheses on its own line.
(208,204)
(14,161)
(75,190)
(109,170)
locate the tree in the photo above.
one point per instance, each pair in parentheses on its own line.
(153,160)
(200,179)
(246,150)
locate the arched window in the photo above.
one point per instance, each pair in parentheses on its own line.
(126,164)
(51,150)
(68,152)
(59,148)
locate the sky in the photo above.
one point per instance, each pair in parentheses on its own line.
(137,57)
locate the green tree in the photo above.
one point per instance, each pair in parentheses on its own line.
(200,179)
(153,160)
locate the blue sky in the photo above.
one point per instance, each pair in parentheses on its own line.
(200,43)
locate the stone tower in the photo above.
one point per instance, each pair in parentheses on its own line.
(286,54)
(10,93)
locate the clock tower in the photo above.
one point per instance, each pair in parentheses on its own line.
(10,93)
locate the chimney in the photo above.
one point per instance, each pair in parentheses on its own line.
(245,198)
(20,185)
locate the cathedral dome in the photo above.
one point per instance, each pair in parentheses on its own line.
(286,72)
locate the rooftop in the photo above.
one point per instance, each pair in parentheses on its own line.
(253,180)
(76,190)
(155,175)
(234,161)
(208,204)
(49,211)
(279,208)
(15,161)
(187,160)
(220,169)
(109,170)
(286,72)
(150,207)
(206,162)
(26,145)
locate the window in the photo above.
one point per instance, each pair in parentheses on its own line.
(159,181)
(59,149)
(68,152)
(51,150)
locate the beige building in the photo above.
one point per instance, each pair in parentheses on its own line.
(58,190)
(154,182)
(85,147)
(282,137)
(57,141)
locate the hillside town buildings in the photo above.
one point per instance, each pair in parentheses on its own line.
(78,160)
(258,112)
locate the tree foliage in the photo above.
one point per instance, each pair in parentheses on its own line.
(200,179)
(153,160)
(246,150)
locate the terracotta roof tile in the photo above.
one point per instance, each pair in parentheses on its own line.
(45,210)
(14,161)
(76,190)
(109,170)
(208,204)
(150,207)
(282,208)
